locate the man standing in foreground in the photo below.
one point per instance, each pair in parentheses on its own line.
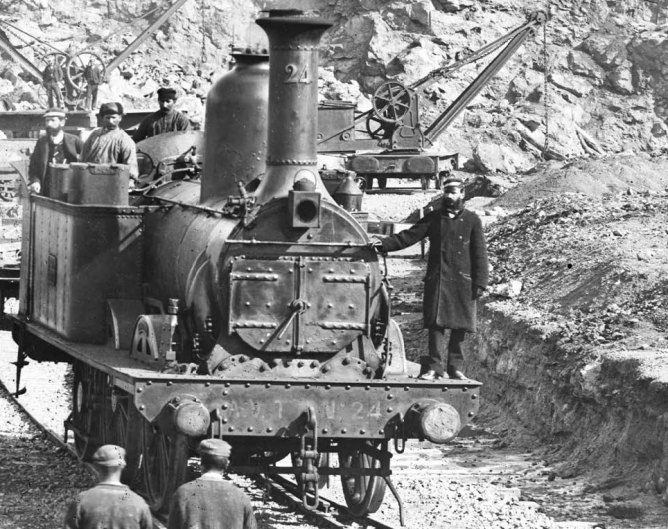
(164,120)
(210,502)
(457,273)
(109,504)
(56,146)
(110,144)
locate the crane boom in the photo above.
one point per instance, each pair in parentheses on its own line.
(536,19)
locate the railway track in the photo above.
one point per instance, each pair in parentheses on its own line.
(475,471)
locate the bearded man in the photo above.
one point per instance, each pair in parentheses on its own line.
(457,274)
(56,146)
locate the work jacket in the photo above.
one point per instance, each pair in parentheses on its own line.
(39,161)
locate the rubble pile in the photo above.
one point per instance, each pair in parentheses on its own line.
(591,267)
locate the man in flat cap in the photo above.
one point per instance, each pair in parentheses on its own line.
(211,502)
(110,144)
(166,119)
(56,146)
(110,503)
(457,273)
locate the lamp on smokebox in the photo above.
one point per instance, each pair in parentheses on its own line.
(304,201)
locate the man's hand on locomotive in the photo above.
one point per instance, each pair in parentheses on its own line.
(35,188)
(377,244)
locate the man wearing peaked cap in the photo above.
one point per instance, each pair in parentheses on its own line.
(56,146)
(166,119)
(210,499)
(457,274)
(110,144)
(110,503)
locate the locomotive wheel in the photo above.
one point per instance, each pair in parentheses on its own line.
(382,182)
(364,494)
(88,394)
(123,429)
(323,462)
(164,465)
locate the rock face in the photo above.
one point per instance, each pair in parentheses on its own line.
(595,83)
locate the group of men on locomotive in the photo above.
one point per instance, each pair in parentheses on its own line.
(108,144)
(202,503)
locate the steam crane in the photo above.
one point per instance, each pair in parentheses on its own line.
(393,124)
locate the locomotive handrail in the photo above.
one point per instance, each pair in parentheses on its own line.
(299,243)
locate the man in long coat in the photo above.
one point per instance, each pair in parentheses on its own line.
(56,146)
(166,119)
(457,273)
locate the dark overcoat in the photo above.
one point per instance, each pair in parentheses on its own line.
(457,265)
(39,161)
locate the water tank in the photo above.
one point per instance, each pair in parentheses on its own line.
(236,127)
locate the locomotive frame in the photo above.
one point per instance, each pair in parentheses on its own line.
(248,306)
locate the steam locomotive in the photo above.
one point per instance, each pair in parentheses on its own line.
(245,304)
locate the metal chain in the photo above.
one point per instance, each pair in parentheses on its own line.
(6,27)
(545,90)
(202,56)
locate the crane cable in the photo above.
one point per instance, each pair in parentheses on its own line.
(202,55)
(545,92)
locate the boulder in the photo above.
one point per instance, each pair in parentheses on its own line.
(622,79)
(492,158)
(452,6)
(608,50)
(583,64)
(571,83)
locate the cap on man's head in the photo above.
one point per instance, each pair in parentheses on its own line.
(109,456)
(214,447)
(452,181)
(166,93)
(111,108)
(55,113)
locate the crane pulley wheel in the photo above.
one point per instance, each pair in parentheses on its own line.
(391,102)
(74,71)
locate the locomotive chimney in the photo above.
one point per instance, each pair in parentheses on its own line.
(293,101)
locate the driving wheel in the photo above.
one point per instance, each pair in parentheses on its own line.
(164,463)
(124,429)
(88,415)
(364,494)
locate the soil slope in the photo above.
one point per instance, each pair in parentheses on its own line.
(573,334)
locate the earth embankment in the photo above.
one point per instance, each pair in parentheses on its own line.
(572,344)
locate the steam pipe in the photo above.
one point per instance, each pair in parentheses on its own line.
(293,101)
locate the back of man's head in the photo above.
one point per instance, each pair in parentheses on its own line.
(215,454)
